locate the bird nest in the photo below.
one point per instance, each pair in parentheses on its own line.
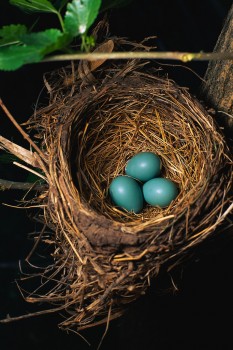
(105,257)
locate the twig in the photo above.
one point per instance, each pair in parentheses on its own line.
(34,314)
(106,328)
(35,244)
(167,55)
(30,170)
(23,133)
(13,185)
(20,152)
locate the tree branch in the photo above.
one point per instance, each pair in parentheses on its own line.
(218,87)
(180,56)
(12,185)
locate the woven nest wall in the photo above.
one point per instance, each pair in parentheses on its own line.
(104,257)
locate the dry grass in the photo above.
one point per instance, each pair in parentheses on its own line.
(103,257)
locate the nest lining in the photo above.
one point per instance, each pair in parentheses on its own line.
(104,257)
(126,122)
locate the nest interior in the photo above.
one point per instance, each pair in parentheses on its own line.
(104,257)
(130,118)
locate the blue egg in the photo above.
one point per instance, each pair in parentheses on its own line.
(144,166)
(126,193)
(159,192)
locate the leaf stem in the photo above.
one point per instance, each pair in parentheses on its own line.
(60,20)
(83,44)
(167,55)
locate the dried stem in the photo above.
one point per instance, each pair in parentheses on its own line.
(23,133)
(9,319)
(168,55)
(25,186)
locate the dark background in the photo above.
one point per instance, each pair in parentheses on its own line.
(198,315)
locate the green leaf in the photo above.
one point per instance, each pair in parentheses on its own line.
(80,15)
(11,33)
(34,47)
(34,5)
(48,40)
(13,57)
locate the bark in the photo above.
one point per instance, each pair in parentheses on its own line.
(218,89)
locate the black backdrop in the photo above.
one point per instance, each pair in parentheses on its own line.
(199,314)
